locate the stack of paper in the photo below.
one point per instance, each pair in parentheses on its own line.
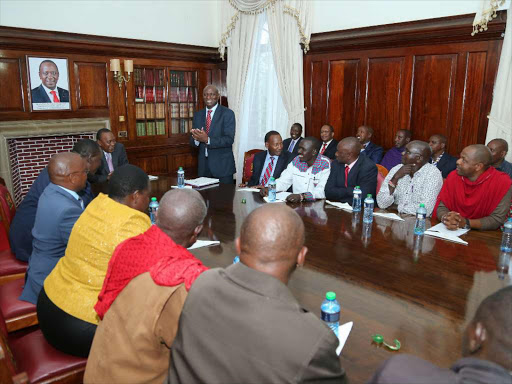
(151,177)
(343,332)
(280,197)
(203,243)
(248,189)
(201,182)
(442,232)
(388,215)
(345,206)
(186,186)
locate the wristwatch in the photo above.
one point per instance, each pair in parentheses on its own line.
(391,184)
(467,226)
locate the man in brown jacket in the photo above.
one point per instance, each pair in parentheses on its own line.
(143,293)
(243,325)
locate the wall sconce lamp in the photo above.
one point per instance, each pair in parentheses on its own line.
(115,66)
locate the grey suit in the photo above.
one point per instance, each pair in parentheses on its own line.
(240,325)
(57,212)
(119,158)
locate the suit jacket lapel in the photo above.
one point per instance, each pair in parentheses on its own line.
(354,170)
(45,95)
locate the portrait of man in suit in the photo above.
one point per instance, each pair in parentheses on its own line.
(48,95)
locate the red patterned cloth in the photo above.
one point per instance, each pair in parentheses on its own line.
(168,263)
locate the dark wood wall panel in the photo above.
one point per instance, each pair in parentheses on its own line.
(92,87)
(11,88)
(429,76)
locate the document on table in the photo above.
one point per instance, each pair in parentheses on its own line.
(345,206)
(151,177)
(248,189)
(203,243)
(442,232)
(280,197)
(186,186)
(388,215)
(201,182)
(343,332)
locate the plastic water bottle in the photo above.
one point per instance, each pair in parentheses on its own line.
(368,209)
(421,216)
(506,239)
(356,202)
(153,207)
(331,312)
(236,259)
(181,178)
(272,189)
(503,264)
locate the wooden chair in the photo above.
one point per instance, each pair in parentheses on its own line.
(382,170)
(381,175)
(17,314)
(248,159)
(26,357)
(7,207)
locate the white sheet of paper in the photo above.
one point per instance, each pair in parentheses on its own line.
(345,206)
(280,197)
(441,228)
(248,189)
(388,215)
(343,332)
(455,239)
(201,181)
(151,177)
(203,243)
(186,186)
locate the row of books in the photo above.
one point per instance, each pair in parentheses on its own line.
(150,111)
(182,110)
(180,78)
(182,94)
(151,128)
(181,126)
(152,94)
(149,76)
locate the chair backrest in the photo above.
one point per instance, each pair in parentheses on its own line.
(382,170)
(7,207)
(248,159)
(7,363)
(380,180)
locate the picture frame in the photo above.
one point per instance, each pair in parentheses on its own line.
(48,83)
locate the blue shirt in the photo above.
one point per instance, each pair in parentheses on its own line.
(265,165)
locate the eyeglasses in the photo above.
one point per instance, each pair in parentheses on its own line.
(53,73)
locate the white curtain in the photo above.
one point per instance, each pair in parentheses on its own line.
(485,13)
(500,119)
(262,108)
(289,27)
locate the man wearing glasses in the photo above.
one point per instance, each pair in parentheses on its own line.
(48,92)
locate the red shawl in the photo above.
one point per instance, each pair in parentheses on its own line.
(169,264)
(474,199)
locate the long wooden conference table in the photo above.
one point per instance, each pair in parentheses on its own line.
(421,291)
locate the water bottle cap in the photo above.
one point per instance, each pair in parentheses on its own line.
(358,187)
(180,169)
(422,205)
(330,295)
(272,179)
(153,199)
(369,195)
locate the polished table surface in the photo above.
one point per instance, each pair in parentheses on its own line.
(420,291)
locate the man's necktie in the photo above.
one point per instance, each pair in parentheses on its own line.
(290,148)
(323,148)
(109,162)
(268,172)
(347,169)
(55,97)
(208,121)
(81,202)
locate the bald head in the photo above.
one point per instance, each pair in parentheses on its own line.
(423,148)
(499,149)
(181,214)
(68,170)
(479,153)
(271,240)
(349,150)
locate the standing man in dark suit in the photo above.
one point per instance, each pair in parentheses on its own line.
(48,92)
(59,208)
(114,156)
(371,150)
(441,159)
(255,331)
(269,163)
(329,145)
(214,134)
(349,170)
(292,143)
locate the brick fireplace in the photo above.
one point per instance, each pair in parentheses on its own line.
(26,147)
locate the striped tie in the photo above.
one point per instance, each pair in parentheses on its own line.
(268,172)
(208,121)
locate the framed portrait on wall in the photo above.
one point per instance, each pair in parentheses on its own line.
(49,83)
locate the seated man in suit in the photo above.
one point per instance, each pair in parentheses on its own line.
(329,145)
(445,162)
(20,232)
(214,134)
(413,182)
(477,195)
(48,92)
(114,156)
(58,209)
(499,149)
(292,143)
(393,157)
(269,163)
(307,174)
(371,150)
(151,272)
(486,351)
(254,331)
(349,170)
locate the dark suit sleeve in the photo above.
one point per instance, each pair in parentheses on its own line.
(228,131)
(368,179)
(68,219)
(376,156)
(333,190)
(123,158)
(196,124)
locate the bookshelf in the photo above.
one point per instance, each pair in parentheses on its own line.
(183,100)
(150,116)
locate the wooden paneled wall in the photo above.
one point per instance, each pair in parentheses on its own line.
(429,76)
(93,91)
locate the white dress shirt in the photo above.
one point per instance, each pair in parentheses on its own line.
(48,92)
